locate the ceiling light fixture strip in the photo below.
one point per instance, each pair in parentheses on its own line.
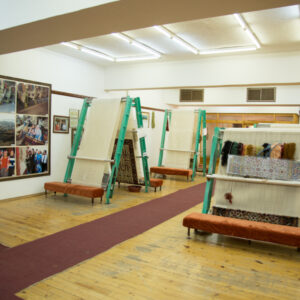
(247,29)
(177,39)
(227,50)
(88,50)
(137,44)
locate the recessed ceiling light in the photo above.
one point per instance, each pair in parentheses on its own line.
(176,39)
(247,29)
(71,45)
(133,58)
(96,53)
(227,50)
(136,44)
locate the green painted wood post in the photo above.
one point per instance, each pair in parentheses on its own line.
(119,148)
(197,144)
(142,140)
(76,141)
(215,150)
(163,137)
(204,130)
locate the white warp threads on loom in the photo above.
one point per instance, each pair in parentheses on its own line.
(99,134)
(260,198)
(180,137)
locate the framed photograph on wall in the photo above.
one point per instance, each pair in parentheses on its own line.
(25,110)
(61,124)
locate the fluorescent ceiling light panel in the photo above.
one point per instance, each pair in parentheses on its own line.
(120,59)
(122,37)
(227,50)
(252,37)
(177,39)
(246,28)
(240,20)
(185,44)
(96,53)
(136,44)
(71,45)
(164,31)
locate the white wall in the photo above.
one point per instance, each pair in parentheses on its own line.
(238,69)
(65,74)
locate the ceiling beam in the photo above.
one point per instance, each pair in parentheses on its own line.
(122,16)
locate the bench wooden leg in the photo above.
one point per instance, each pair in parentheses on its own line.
(160,188)
(101,200)
(92,201)
(298,249)
(55,194)
(155,189)
(189,233)
(46,193)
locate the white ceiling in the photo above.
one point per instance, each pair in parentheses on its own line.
(18,12)
(277,29)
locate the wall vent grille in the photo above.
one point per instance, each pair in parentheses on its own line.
(261,94)
(191,95)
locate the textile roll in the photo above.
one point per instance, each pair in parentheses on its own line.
(97,141)
(180,137)
(260,198)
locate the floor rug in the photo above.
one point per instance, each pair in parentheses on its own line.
(29,263)
(2,248)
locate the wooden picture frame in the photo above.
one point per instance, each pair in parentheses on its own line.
(25,122)
(61,124)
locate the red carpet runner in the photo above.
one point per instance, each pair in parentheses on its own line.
(29,263)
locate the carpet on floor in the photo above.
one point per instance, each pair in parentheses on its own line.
(2,248)
(34,261)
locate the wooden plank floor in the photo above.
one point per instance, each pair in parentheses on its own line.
(158,264)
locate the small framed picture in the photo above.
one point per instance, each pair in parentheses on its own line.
(61,124)
(74,113)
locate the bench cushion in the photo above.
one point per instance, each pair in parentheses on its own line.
(74,189)
(280,234)
(171,171)
(156,182)
(55,186)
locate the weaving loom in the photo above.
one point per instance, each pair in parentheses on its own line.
(90,165)
(250,208)
(257,198)
(181,143)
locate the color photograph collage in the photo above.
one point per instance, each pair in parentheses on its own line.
(24,128)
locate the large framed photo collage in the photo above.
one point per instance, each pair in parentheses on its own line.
(25,123)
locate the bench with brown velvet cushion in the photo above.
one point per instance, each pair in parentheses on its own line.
(252,230)
(171,171)
(74,189)
(156,182)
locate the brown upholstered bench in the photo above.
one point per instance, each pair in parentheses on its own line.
(252,230)
(74,189)
(171,171)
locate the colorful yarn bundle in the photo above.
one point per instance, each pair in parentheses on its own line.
(288,150)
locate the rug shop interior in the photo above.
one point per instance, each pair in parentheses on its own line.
(150,149)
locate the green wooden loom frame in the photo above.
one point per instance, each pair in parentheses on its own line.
(130,103)
(201,121)
(216,148)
